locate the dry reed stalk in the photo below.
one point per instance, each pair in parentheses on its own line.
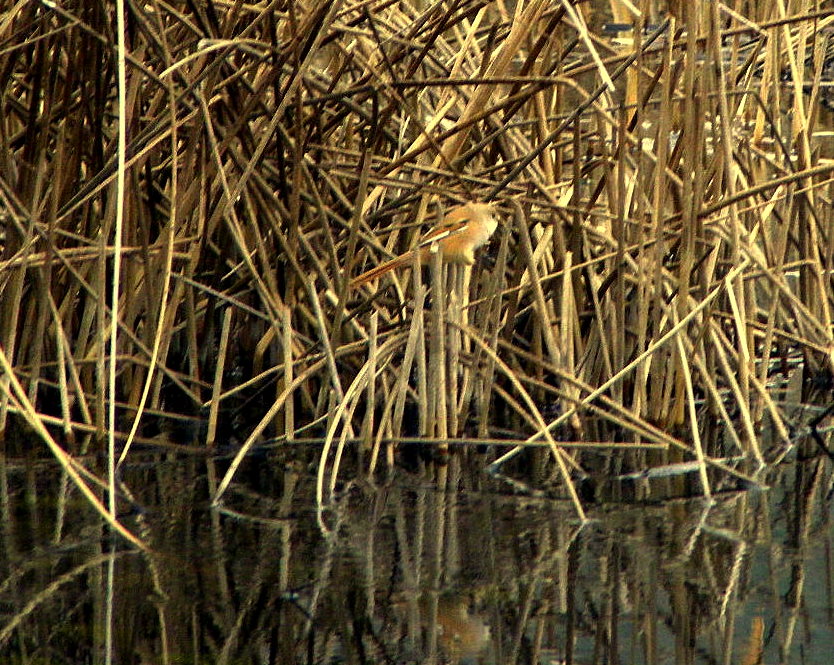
(436,398)
(521,25)
(277,405)
(544,312)
(754,649)
(342,413)
(455,370)
(491,329)
(11,306)
(217,386)
(370,401)
(414,348)
(288,374)
(16,393)
(669,335)
(562,459)
(582,28)
(693,418)
(270,155)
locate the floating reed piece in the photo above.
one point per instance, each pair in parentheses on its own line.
(664,254)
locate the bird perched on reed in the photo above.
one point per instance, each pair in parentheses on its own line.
(463,230)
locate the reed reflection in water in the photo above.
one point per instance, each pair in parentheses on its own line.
(441,564)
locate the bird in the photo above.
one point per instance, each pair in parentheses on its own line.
(463,230)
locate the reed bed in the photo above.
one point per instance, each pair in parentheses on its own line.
(663,176)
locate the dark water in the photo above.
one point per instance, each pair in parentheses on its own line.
(441,562)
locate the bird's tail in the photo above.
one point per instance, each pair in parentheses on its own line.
(381,269)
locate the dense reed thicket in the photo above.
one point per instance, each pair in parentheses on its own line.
(663,180)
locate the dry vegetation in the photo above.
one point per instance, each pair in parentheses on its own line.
(666,244)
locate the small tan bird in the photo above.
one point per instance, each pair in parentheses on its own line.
(462,231)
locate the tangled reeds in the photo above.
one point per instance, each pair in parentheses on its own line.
(665,252)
